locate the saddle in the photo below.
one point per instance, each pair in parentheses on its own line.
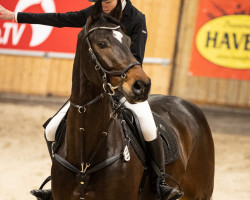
(132,130)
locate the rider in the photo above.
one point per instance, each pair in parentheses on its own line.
(135,26)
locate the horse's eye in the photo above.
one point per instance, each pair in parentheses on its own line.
(102,45)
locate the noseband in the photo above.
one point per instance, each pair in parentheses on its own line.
(122,73)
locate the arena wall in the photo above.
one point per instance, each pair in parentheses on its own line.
(167,38)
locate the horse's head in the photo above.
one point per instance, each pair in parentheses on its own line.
(110,50)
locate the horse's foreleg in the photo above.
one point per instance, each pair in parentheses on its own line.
(63,183)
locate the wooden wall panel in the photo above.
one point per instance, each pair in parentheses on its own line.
(60,76)
(160,77)
(162,22)
(35,75)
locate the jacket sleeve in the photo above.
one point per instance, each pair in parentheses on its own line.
(68,19)
(139,39)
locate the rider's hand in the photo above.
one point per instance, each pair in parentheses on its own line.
(5,14)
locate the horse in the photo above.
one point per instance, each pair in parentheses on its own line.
(90,162)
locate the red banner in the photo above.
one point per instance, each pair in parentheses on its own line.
(221,45)
(38,37)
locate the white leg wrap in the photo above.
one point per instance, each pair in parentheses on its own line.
(51,128)
(145,117)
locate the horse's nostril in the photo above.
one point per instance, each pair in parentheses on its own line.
(138,87)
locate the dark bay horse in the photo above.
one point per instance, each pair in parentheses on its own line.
(94,142)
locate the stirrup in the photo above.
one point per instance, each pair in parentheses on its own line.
(46,193)
(42,194)
(173,195)
(170,194)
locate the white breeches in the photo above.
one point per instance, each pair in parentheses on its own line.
(142,111)
(51,128)
(145,117)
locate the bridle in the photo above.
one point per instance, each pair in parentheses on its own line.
(108,88)
(102,71)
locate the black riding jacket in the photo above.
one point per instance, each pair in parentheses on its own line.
(132,20)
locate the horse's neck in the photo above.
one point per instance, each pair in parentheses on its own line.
(94,121)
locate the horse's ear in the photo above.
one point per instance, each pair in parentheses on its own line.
(117,11)
(97,11)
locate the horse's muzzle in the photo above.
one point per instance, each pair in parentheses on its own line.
(140,90)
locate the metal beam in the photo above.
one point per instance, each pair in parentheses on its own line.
(161,61)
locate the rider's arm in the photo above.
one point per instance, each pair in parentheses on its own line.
(69,19)
(139,38)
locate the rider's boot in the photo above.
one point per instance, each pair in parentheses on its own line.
(44,194)
(156,152)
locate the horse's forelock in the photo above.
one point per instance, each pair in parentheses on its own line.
(111,19)
(104,20)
